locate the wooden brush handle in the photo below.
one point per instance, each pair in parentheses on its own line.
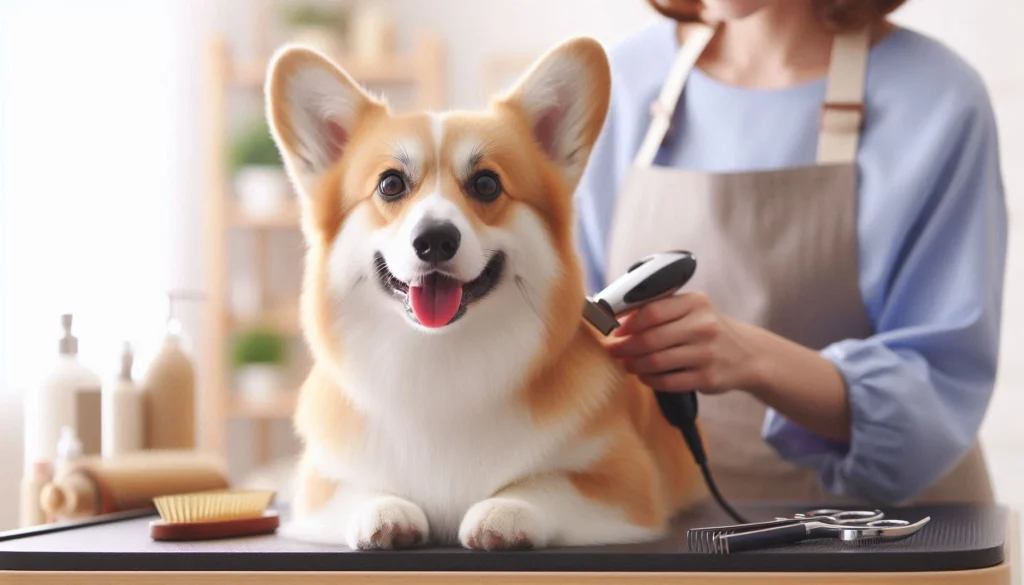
(265,524)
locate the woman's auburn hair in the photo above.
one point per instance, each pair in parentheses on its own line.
(838,15)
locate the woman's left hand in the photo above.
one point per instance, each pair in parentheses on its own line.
(683,343)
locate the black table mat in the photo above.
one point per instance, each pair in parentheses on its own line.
(959,537)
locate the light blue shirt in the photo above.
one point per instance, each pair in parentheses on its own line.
(932,234)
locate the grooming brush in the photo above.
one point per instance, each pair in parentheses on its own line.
(214,514)
(871,533)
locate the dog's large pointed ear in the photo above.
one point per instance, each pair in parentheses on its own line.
(313,107)
(565,96)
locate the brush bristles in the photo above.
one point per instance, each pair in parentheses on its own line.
(212,506)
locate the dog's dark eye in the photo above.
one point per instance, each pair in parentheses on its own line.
(485,186)
(391,186)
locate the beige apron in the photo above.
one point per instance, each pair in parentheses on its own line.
(775,248)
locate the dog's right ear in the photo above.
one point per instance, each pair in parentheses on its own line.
(313,107)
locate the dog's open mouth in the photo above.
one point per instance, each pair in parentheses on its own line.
(436,299)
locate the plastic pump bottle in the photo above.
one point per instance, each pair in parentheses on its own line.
(53,405)
(169,386)
(122,410)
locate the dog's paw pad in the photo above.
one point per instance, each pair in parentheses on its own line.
(502,524)
(388,523)
(491,540)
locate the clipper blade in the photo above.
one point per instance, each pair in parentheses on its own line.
(600,316)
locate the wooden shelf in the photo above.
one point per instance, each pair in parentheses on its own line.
(392,69)
(284,319)
(280,406)
(287,217)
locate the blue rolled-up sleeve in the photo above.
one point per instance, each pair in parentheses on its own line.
(919,387)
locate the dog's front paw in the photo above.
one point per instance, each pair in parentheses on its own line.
(503,524)
(387,522)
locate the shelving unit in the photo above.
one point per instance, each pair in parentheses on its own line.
(236,217)
(421,69)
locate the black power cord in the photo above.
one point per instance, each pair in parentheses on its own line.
(680,409)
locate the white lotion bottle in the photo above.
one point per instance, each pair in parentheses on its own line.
(52,406)
(122,410)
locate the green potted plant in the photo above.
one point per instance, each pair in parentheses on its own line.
(321,27)
(259,357)
(260,183)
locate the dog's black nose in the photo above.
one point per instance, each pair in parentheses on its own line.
(436,242)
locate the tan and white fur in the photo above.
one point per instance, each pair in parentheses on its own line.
(509,427)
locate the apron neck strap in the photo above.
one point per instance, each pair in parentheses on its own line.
(842,114)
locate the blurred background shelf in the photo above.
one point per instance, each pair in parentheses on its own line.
(284,318)
(394,69)
(278,406)
(287,217)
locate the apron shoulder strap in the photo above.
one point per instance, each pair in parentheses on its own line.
(663,108)
(842,114)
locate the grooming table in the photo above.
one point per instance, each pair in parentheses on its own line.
(962,544)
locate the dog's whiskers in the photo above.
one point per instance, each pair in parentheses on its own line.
(359,280)
(522,285)
(526,289)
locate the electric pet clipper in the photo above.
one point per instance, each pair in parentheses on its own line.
(654,277)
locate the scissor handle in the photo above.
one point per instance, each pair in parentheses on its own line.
(843,516)
(887,523)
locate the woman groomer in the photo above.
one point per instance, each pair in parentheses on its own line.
(838,179)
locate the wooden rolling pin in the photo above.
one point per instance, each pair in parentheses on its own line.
(96,485)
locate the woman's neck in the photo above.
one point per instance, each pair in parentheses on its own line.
(780,45)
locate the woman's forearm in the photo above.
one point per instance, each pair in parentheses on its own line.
(800,384)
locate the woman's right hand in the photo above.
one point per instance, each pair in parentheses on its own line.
(683,343)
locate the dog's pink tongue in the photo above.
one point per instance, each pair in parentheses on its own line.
(436,300)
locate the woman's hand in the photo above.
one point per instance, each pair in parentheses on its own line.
(683,343)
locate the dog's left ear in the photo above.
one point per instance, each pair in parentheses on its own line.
(565,96)
(313,107)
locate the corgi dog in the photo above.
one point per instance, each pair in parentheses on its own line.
(457,396)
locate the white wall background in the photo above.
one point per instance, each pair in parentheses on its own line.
(67,156)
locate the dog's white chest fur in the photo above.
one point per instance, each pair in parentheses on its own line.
(444,428)
(447,468)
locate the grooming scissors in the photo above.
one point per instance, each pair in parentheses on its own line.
(852,526)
